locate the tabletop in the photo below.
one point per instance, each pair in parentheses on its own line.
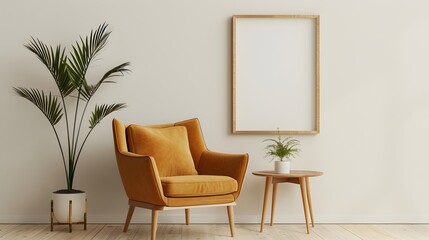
(292,174)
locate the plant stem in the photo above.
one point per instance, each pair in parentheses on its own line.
(78,131)
(62,153)
(80,150)
(68,140)
(72,160)
(77,140)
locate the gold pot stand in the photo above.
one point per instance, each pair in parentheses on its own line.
(70,223)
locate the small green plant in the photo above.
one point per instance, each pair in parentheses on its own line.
(283,149)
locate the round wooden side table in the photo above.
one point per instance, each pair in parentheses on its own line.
(295,176)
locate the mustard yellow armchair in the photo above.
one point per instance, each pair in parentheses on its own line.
(168,166)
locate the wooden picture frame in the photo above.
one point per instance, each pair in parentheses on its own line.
(275,74)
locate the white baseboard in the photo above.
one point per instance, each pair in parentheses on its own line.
(179,218)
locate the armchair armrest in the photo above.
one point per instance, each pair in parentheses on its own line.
(140,178)
(232,165)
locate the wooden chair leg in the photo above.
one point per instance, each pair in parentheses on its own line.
(129,216)
(187,215)
(154,224)
(231,220)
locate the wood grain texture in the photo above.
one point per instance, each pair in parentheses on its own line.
(129,216)
(292,174)
(316,129)
(231,220)
(187,216)
(219,231)
(273,202)
(368,232)
(406,232)
(304,202)
(268,181)
(296,177)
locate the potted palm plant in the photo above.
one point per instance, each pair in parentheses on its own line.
(69,72)
(282,150)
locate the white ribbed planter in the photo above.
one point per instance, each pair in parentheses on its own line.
(61,206)
(282,167)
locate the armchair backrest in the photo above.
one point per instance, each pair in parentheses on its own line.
(194,135)
(119,136)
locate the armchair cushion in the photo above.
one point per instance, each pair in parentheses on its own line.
(198,185)
(168,146)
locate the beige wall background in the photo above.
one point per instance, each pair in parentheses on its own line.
(374,104)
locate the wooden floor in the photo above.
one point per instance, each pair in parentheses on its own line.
(220,231)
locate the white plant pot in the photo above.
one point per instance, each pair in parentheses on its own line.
(61,206)
(282,167)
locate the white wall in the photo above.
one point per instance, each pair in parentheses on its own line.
(374,104)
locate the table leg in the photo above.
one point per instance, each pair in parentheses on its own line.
(273,204)
(304,200)
(307,185)
(268,181)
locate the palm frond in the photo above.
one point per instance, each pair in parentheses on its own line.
(85,51)
(101,111)
(87,91)
(56,62)
(117,71)
(48,104)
